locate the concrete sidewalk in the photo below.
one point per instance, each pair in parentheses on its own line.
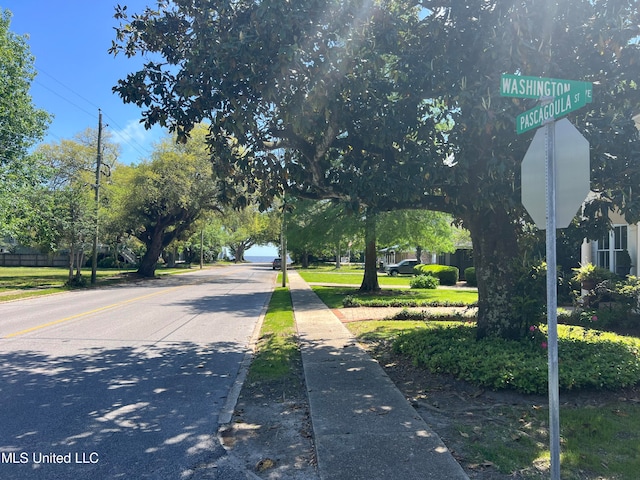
(364,428)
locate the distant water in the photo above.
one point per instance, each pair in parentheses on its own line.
(256,259)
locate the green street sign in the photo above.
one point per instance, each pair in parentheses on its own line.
(520,86)
(559,107)
(561,96)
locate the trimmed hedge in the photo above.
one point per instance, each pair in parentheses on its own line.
(470,276)
(351,301)
(446,274)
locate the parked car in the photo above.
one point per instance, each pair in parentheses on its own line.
(277,263)
(405,267)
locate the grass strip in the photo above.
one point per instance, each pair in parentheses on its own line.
(277,351)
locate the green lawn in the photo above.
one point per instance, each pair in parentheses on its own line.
(350,278)
(32,277)
(23,282)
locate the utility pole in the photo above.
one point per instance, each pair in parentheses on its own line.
(94,258)
(201,248)
(283,245)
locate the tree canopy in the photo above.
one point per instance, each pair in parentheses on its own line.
(21,126)
(62,211)
(21,123)
(320,228)
(392,104)
(326,87)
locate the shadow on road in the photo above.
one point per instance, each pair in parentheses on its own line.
(137,412)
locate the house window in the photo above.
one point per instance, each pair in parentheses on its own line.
(609,245)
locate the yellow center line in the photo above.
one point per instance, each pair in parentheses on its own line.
(90,312)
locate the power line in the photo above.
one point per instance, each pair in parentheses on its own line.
(142,151)
(65,99)
(70,89)
(131,143)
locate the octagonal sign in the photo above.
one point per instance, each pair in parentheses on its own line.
(572,174)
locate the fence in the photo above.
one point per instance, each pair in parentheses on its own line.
(33,260)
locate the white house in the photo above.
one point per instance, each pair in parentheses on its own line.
(608,252)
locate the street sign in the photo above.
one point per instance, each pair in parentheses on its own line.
(520,86)
(560,97)
(572,174)
(559,107)
(555,182)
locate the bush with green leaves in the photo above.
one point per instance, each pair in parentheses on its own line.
(588,359)
(446,274)
(107,262)
(611,305)
(627,293)
(406,314)
(592,273)
(424,281)
(351,301)
(470,276)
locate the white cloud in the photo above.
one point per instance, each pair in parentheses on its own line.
(135,141)
(134,132)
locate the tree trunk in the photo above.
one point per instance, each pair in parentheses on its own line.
(72,257)
(239,253)
(79,262)
(370,280)
(496,259)
(149,261)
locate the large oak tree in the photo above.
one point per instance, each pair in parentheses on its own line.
(159,201)
(390,104)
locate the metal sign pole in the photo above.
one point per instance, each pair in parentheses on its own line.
(552,304)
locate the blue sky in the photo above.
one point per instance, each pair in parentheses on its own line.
(70,40)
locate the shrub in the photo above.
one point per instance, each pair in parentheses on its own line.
(627,293)
(406,314)
(424,281)
(446,274)
(588,358)
(107,262)
(351,301)
(470,276)
(590,273)
(620,295)
(610,306)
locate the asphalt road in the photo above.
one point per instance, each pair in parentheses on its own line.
(127,381)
